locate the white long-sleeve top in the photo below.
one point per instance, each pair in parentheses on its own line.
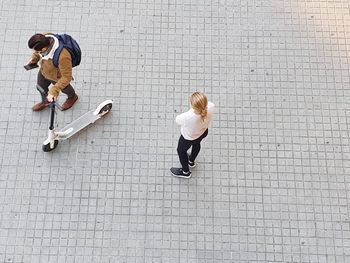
(192,126)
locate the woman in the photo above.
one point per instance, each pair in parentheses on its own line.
(194,127)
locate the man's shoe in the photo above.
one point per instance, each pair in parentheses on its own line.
(69,102)
(178,172)
(39,106)
(192,164)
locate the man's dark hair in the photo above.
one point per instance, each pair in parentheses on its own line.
(38,42)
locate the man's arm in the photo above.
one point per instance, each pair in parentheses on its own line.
(35,58)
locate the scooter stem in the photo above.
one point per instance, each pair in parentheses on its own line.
(52,115)
(51,135)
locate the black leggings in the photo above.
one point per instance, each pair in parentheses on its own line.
(45,83)
(184,145)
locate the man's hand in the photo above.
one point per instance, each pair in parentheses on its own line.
(33,61)
(51,98)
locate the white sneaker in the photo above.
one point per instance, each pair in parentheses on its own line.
(192,164)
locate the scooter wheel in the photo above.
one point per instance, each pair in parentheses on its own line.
(105,109)
(47,148)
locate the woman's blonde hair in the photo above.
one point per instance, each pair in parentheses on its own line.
(199,104)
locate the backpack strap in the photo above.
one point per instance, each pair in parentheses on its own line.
(58,51)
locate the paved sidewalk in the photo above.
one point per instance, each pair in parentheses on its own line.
(273,180)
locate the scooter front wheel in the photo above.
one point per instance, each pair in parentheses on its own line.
(105,109)
(47,148)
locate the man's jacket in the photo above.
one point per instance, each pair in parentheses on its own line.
(61,75)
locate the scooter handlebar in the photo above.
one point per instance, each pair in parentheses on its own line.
(45,93)
(54,103)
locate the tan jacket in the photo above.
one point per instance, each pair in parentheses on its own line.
(61,75)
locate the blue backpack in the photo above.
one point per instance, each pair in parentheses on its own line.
(67,42)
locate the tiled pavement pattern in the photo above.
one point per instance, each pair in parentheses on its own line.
(273,181)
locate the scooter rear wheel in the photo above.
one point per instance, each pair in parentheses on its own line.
(47,148)
(105,109)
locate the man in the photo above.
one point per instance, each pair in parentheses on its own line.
(44,47)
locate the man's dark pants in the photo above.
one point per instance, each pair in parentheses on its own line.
(45,83)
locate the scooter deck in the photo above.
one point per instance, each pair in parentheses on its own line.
(78,125)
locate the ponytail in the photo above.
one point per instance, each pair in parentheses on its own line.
(204,114)
(199,103)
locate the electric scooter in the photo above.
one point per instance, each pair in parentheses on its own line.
(90,117)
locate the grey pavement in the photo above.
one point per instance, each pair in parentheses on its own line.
(273,180)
